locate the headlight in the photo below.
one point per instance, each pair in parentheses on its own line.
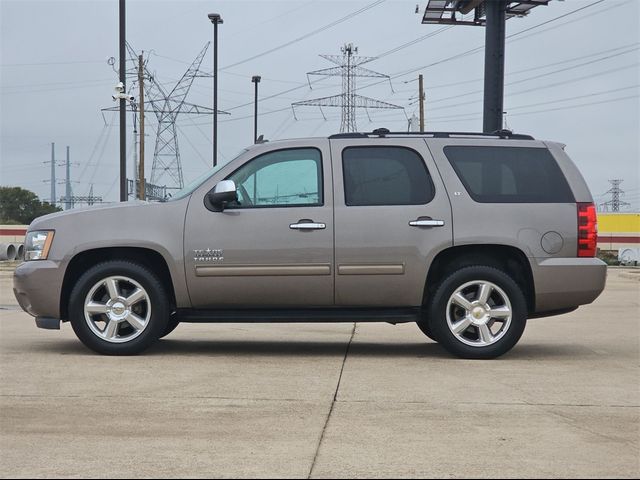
(37,244)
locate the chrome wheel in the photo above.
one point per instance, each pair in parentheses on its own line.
(117,309)
(479,313)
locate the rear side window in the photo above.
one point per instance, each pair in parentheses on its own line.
(509,174)
(385,176)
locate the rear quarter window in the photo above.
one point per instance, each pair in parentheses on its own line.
(509,174)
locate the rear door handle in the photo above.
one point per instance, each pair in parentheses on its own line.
(426,222)
(306,224)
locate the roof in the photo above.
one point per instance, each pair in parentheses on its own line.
(383,132)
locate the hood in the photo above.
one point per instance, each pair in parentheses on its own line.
(155,225)
(52,219)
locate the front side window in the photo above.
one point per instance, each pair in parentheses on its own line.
(385,176)
(283,178)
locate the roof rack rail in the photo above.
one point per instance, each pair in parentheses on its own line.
(383,132)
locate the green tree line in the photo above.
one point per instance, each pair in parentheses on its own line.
(20,207)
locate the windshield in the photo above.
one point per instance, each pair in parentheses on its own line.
(191,186)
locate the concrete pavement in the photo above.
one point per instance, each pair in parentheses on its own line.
(326,400)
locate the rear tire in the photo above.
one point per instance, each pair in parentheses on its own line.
(118,308)
(478,312)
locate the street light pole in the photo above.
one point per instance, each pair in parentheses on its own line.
(216,19)
(256,80)
(123,107)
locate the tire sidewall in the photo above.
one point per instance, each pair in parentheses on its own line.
(149,281)
(438,307)
(172,324)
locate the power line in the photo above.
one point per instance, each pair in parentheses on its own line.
(53,89)
(539,67)
(542,75)
(594,94)
(306,35)
(460,55)
(413,42)
(397,75)
(47,63)
(48,84)
(543,87)
(564,99)
(508,37)
(568,107)
(556,18)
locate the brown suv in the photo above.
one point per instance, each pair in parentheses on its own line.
(467,235)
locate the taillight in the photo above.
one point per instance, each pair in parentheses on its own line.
(587,230)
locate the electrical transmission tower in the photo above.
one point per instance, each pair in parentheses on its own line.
(54,163)
(90,199)
(167,105)
(66,182)
(349,66)
(616,192)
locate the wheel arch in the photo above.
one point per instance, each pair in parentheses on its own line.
(146,257)
(506,258)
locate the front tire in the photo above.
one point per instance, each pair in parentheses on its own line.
(118,308)
(478,312)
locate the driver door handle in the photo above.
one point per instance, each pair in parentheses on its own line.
(426,222)
(306,224)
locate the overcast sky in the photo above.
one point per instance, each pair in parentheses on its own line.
(574,80)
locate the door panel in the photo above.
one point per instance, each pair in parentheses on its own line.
(382,260)
(261,253)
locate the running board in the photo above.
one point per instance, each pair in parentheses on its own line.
(288,315)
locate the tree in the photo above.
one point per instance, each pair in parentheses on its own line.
(22,206)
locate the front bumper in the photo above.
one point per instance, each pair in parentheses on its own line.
(563,283)
(37,285)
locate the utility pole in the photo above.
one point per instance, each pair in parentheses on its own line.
(53,173)
(421,95)
(141,109)
(135,188)
(123,105)
(67,195)
(256,80)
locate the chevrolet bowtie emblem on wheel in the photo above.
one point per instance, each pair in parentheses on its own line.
(208,255)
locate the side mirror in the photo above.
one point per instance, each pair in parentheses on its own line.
(223,193)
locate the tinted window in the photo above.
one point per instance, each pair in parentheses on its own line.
(510,174)
(281,178)
(385,176)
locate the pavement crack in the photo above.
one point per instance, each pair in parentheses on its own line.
(333,402)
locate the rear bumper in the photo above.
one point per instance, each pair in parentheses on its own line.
(37,286)
(563,283)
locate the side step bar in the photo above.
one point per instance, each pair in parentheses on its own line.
(288,315)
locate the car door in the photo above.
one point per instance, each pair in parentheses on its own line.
(392,216)
(274,247)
